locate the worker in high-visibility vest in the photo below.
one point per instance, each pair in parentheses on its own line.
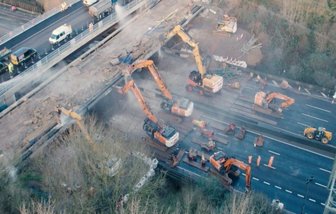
(10,69)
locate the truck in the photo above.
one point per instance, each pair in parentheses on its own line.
(101,8)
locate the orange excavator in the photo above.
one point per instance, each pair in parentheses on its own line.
(166,135)
(225,164)
(182,107)
(198,80)
(264,100)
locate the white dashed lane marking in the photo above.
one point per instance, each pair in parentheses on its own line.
(315,117)
(266,183)
(303,124)
(273,152)
(269,166)
(315,107)
(325,170)
(320,185)
(288,191)
(312,200)
(277,187)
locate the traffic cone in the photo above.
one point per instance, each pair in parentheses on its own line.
(250,159)
(258,160)
(270,162)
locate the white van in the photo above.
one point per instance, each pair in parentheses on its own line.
(89,2)
(60,33)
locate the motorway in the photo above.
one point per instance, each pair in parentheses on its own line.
(291,168)
(292,165)
(78,19)
(37,37)
(306,112)
(10,20)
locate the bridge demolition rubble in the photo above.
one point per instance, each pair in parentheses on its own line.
(83,79)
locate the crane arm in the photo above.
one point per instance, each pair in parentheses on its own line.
(241,165)
(149,64)
(178,30)
(287,100)
(130,85)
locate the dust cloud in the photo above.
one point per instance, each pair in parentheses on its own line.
(120,12)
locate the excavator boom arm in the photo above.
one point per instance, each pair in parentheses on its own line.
(287,100)
(149,64)
(241,165)
(178,30)
(130,85)
(78,119)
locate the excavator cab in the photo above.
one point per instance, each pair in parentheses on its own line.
(198,80)
(320,134)
(210,83)
(196,77)
(166,135)
(234,170)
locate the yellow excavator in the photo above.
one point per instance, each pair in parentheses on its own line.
(320,134)
(182,107)
(166,135)
(265,101)
(198,80)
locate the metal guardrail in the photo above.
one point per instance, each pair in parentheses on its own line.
(33,74)
(35,21)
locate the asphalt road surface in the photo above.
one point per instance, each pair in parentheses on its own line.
(307,111)
(37,37)
(78,19)
(9,20)
(292,164)
(285,180)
